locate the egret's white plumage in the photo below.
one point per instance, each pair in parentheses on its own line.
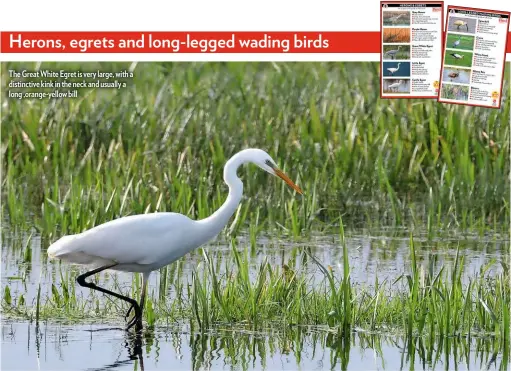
(144,243)
(138,243)
(395,85)
(393,70)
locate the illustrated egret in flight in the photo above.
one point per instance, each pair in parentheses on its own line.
(147,242)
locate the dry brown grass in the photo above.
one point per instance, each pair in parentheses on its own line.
(396,35)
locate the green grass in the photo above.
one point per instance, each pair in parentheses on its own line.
(160,145)
(466,61)
(466,42)
(422,302)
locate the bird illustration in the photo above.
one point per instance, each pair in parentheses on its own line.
(392,53)
(457,56)
(459,23)
(459,94)
(395,18)
(453,74)
(456,43)
(393,70)
(395,85)
(147,242)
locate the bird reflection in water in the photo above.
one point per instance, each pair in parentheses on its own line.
(246,349)
(133,344)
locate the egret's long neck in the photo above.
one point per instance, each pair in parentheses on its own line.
(217,221)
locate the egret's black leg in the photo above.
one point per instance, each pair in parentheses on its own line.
(134,305)
(137,319)
(128,312)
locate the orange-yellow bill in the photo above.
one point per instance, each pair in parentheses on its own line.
(286,179)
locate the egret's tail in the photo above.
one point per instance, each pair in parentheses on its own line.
(60,247)
(70,249)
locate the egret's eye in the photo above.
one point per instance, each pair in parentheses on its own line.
(269,163)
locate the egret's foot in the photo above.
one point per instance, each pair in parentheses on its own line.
(137,322)
(137,318)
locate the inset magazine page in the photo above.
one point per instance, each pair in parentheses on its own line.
(473,57)
(411,41)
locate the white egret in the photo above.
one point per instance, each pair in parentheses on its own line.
(144,243)
(395,85)
(457,42)
(393,70)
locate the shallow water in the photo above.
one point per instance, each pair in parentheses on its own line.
(382,255)
(56,347)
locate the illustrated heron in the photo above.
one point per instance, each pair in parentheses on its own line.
(395,18)
(392,53)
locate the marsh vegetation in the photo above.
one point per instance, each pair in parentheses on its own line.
(426,183)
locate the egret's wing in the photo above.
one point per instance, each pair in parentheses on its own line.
(140,239)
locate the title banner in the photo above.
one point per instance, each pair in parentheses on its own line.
(192,42)
(189,42)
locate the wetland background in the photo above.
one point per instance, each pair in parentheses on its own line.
(397,256)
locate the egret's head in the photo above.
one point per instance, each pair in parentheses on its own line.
(265,162)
